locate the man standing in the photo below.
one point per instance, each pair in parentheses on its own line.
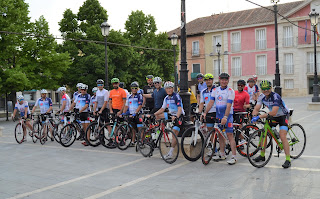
(158,94)
(201,86)
(148,89)
(117,98)
(102,98)
(253,90)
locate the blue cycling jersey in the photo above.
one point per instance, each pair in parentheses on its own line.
(205,97)
(172,103)
(133,102)
(274,99)
(44,104)
(82,100)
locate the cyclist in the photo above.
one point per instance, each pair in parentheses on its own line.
(82,104)
(253,90)
(241,101)
(201,85)
(102,98)
(278,112)
(23,107)
(117,98)
(174,103)
(223,96)
(65,101)
(93,99)
(148,89)
(134,105)
(45,105)
(158,94)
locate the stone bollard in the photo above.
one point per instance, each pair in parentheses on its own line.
(1,129)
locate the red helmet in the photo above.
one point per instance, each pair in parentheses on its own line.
(255,78)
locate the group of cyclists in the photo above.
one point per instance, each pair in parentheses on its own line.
(218,104)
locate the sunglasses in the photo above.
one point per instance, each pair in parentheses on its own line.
(240,85)
(134,88)
(20,100)
(99,84)
(156,82)
(265,89)
(200,78)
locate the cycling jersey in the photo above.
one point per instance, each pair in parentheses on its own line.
(274,99)
(101,97)
(222,97)
(75,95)
(21,108)
(66,98)
(44,105)
(172,103)
(81,101)
(149,90)
(251,91)
(92,102)
(201,87)
(133,103)
(117,96)
(205,97)
(240,99)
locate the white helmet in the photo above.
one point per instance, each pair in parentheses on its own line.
(95,89)
(43,91)
(79,84)
(157,79)
(168,84)
(20,97)
(84,86)
(61,89)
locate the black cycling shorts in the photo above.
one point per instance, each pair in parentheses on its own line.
(84,116)
(281,120)
(238,118)
(210,118)
(104,115)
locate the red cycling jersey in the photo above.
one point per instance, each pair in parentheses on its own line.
(240,99)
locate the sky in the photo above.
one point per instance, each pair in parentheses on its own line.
(166,12)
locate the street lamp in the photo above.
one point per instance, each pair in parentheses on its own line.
(314,21)
(174,41)
(277,88)
(218,50)
(105,28)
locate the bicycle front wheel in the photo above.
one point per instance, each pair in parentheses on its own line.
(145,143)
(259,148)
(92,134)
(209,147)
(169,146)
(297,140)
(191,144)
(107,137)
(36,133)
(124,136)
(18,133)
(68,135)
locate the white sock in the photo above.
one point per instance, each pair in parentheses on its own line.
(234,156)
(171,150)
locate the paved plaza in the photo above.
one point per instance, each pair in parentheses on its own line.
(36,171)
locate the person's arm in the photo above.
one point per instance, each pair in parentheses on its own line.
(144,101)
(125,109)
(110,105)
(246,101)
(178,113)
(64,103)
(50,106)
(211,102)
(272,113)
(124,104)
(147,95)
(14,113)
(161,110)
(84,108)
(201,105)
(72,106)
(226,114)
(34,107)
(26,112)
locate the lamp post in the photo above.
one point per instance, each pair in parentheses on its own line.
(314,21)
(218,50)
(277,88)
(105,28)
(174,41)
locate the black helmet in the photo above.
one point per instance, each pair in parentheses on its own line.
(200,75)
(241,81)
(134,84)
(100,81)
(121,84)
(224,76)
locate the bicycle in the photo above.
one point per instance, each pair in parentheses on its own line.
(92,131)
(107,138)
(20,128)
(156,135)
(47,125)
(68,134)
(261,141)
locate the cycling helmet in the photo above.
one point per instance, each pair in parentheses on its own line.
(208,76)
(224,76)
(254,77)
(265,85)
(134,84)
(241,82)
(115,80)
(149,77)
(43,91)
(121,84)
(168,85)
(250,80)
(61,89)
(100,81)
(95,89)
(84,86)
(20,97)
(200,75)
(157,79)
(79,84)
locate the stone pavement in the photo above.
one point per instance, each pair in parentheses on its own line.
(52,171)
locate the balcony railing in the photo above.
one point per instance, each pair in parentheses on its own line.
(302,40)
(195,52)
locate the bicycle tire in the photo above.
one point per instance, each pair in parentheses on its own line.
(68,135)
(123,136)
(253,139)
(36,132)
(18,131)
(194,154)
(207,146)
(165,138)
(293,137)
(105,139)
(57,130)
(43,139)
(245,131)
(92,130)
(144,142)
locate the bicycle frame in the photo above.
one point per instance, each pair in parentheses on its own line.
(267,128)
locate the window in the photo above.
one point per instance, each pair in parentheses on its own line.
(235,41)
(216,67)
(288,84)
(310,62)
(261,40)
(215,40)
(195,48)
(288,63)
(196,68)
(261,65)
(287,36)
(236,66)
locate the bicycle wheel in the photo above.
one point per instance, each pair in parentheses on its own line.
(297,140)
(36,133)
(43,137)
(144,143)
(92,134)
(68,135)
(191,144)
(256,151)
(106,137)
(18,133)
(169,146)
(242,138)
(57,130)
(123,136)
(209,147)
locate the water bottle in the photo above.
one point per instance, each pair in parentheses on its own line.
(276,132)
(157,134)
(153,135)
